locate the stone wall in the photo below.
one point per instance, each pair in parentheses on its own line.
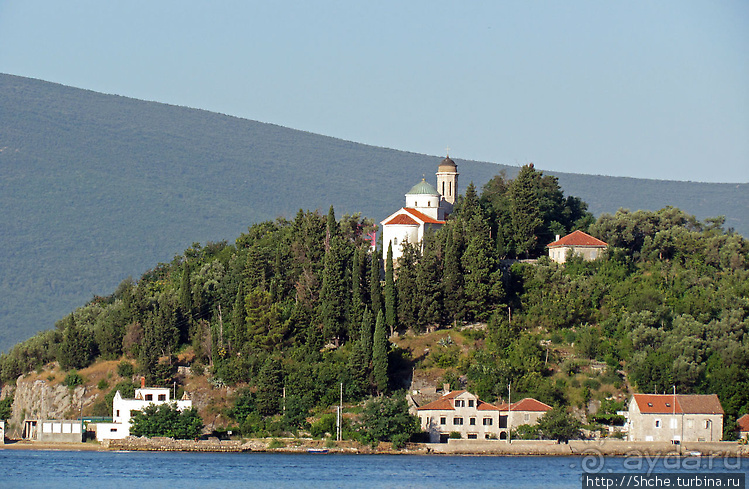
(579,447)
(171,445)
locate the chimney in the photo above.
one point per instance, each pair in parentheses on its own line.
(445,389)
(142,382)
(557,238)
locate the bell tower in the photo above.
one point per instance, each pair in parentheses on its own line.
(447,182)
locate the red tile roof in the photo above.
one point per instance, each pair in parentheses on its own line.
(402,219)
(743,423)
(578,238)
(527,404)
(445,403)
(423,216)
(679,404)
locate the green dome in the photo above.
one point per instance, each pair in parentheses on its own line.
(422,188)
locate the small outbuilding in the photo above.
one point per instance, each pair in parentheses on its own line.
(577,243)
(742,427)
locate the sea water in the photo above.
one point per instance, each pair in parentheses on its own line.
(166,470)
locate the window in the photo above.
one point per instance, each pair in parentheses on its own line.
(113,430)
(162,397)
(470,402)
(472,422)
(707,424)
(487,435)
(416,204)
(526,417)
(472,436)
(657,423)
(118,413)
(459,403)
(149,397)
(395,241)
(457,421)
(429,203)
(488,421)
(443,420)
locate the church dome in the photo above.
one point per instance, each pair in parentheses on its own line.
(447,165)
(423,188)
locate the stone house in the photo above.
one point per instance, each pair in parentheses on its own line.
(527,411)
(426,208)
(460,412)
(742,427)
(676,418)
(124,409)
(579,243)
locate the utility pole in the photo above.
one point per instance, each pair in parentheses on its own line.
(339,435)
(509,414)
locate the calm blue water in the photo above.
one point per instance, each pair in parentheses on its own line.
(165,470)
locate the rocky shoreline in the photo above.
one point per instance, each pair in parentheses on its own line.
(608,448)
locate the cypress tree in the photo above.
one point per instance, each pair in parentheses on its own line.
(524,210)
(365,333)
(453,274)
(270,387)
(357,295)
(334,290)
(380,355)
(407,297)
(429,282)
(390,300)
(375,288)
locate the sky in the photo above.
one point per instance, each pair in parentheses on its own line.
(624,88)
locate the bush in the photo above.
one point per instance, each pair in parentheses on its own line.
(125,369)
(455,435)
(166,420)
(388,419)
(103,384)
(6,408)
(73,379)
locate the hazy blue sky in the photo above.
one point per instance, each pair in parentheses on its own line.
(652,89)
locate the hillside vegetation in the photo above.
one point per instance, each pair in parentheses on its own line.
(299,306)
(95,188)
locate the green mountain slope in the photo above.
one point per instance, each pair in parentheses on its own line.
(94,188)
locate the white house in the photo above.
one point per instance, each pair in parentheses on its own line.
(579,243)
(676,418)
(123,410)
(742,427)
(526,411)
(426,208)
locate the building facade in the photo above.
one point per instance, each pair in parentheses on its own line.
(464,413)
(124,409)
(742,427)
(426,208)
(578,243)
(459,412)
(676,418)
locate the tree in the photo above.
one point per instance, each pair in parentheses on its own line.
(388,419)
(380,355)
(270,387)
(166,420)
(390,300)
(524,210)
(558,424)
(408,300)
(375,288)
(334,293)
(77,348)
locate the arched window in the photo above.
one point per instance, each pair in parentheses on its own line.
(395,241)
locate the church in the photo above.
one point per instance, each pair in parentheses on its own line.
(426,208)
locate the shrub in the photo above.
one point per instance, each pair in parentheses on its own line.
(455,435)
(167,420)
(103,384)
(73,379)
(125,369)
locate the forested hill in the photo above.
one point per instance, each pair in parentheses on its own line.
(97,187)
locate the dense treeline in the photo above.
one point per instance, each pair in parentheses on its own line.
(295,308)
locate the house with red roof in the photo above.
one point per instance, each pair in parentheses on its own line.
(426,208)
(464,413)
(526,411)
(578,243)
(675,418)
(742,427)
